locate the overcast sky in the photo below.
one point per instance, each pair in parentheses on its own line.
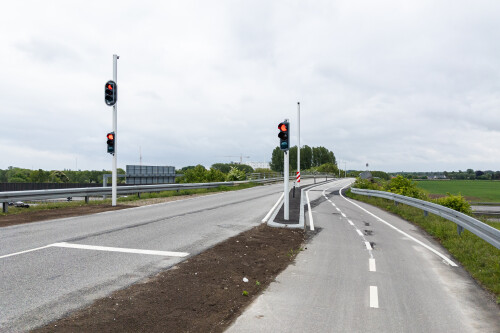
(401,85)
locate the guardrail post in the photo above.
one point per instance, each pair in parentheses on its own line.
(459,229)
(5,207)
(87,199)
(426,213)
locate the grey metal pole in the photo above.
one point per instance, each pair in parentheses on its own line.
(298,139)
(115,125)
(286,175)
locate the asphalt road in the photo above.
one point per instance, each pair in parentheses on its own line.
(52,267)
(366,270)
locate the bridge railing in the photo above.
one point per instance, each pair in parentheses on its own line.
(463,221)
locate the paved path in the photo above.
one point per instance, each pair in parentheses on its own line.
(369,273)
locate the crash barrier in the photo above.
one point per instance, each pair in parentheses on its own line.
(463,221)
(86,192)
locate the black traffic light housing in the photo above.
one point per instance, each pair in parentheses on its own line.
(110,93)
(111,142)
(284,135)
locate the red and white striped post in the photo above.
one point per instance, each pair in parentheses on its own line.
(297,178)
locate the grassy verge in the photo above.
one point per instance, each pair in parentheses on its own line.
(125,199)
(478,257)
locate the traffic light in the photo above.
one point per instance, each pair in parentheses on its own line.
(110,93)
(284,135)
(111,142)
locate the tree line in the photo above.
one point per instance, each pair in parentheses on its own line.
(20,175)
(317,158)
(469,174)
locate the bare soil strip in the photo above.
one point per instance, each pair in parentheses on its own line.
(205,293)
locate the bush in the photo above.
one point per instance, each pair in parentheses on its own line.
(367,184)
(456,202)
(403,186)
(235,175)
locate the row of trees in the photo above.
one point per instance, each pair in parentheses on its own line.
(310,157)
(219,172)
(468,174)
(20,175)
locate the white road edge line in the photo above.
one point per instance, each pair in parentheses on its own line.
(311,223)
(359,232)
(451,263)
(118,249)
(368,246)
(266,218)
(371,265)
(373,297)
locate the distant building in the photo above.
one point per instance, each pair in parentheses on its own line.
(259,165)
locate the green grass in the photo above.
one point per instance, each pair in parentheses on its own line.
(475,190)
(478,257)
(129,198)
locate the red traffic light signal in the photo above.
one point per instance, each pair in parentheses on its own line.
(111,142)
(110,93)
(284,135)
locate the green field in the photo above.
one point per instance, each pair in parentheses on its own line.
(473,190)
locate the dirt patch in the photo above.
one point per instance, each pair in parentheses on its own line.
(205,293)
(49,214)
(28,215)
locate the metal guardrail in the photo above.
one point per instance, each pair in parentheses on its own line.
(12,196)
(463,221)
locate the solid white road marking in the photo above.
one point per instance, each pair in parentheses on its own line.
(368,246)
(373,297)
(359,232)
(266,218)
(371,265)
(451,263)
(118,249)
(343,214)
(350,222)
(21,252)
(311,223)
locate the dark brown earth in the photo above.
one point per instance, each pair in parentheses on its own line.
(204,293)
(49,214)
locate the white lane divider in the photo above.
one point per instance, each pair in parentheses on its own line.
(371,265)
(120,249)
(102,248)
(447,260)
(22,252)
(373,297)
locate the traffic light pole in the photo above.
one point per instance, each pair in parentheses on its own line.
(115,125)
(286,175)
(298,144)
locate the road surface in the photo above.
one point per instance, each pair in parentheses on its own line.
(366,270)
(49,268)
